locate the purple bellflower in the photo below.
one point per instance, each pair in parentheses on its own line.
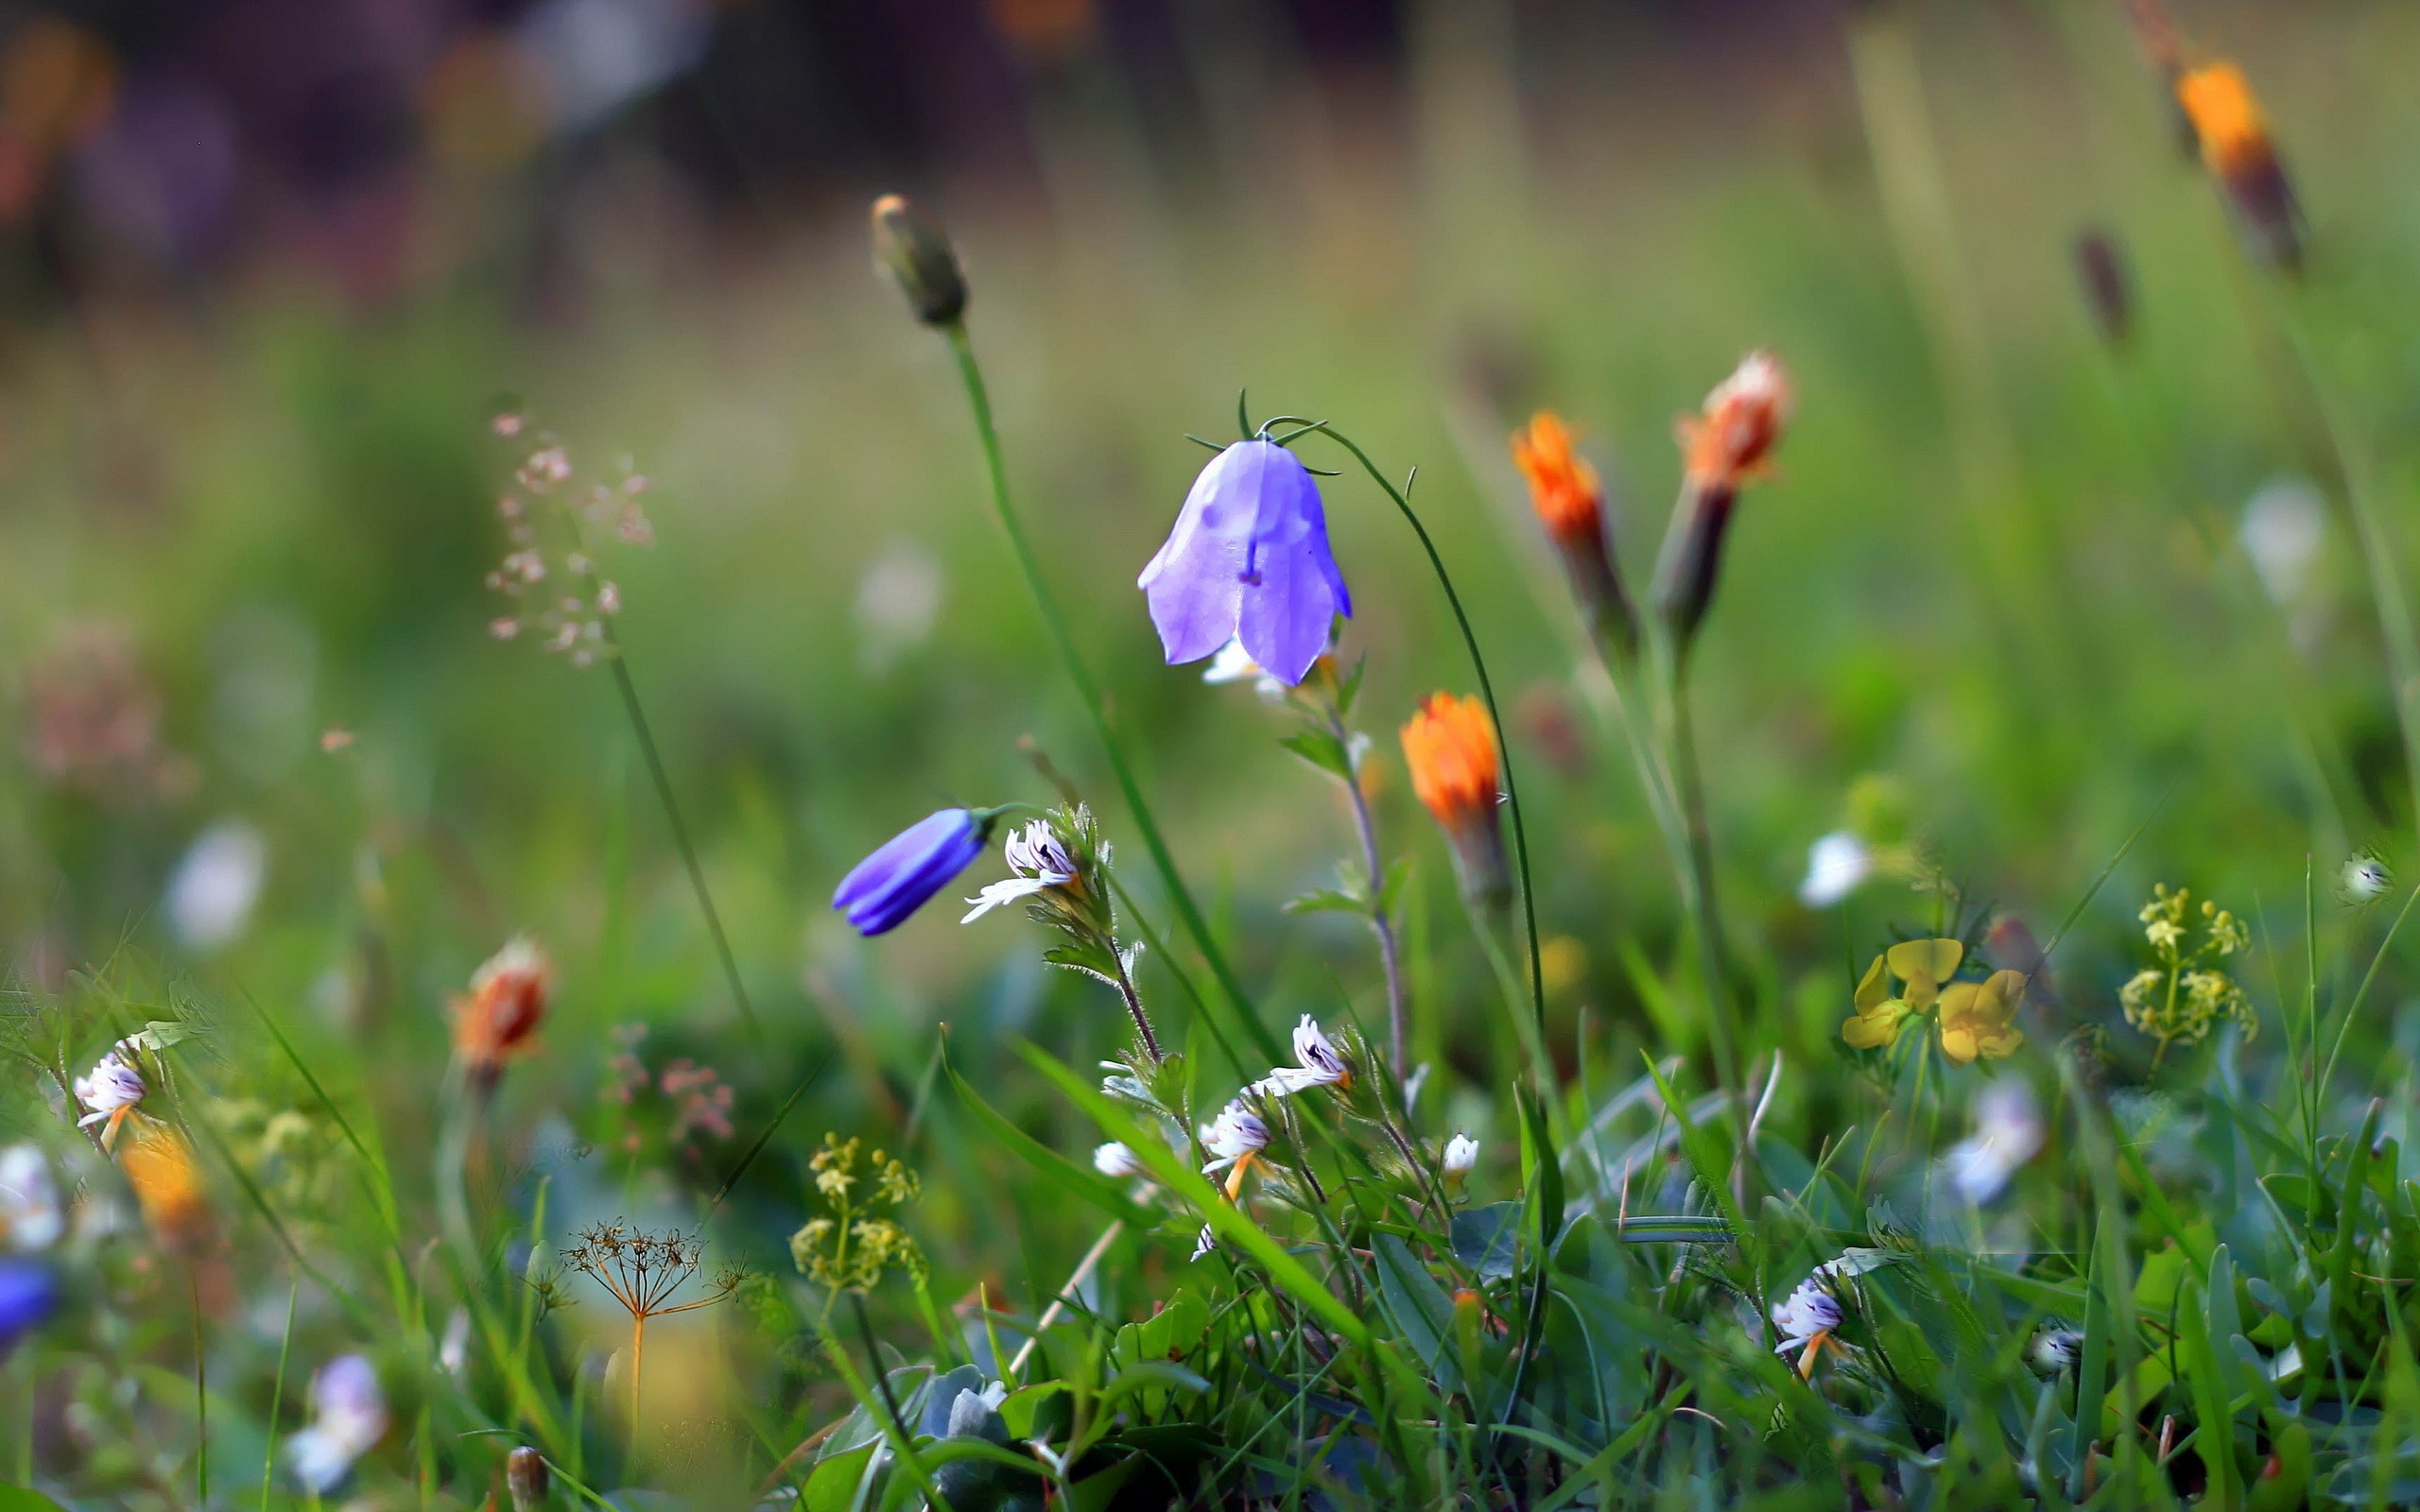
(911,867)
(1249,560)
(28,1296)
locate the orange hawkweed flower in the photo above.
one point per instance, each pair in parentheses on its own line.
(1724,446)
(159,1165)
(2232,131)
(1571,503)
(499,1019)
(1450,744)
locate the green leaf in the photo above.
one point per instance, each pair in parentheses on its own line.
(1081,1181)
(1485,1239)
(1326,901)
(1423,1314)
(832,1486)
(1324,750)
(1549,1173)
(1149,1374)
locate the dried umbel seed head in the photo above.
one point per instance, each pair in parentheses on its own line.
(2108,296)
(526,1478)
(2233,132)
(911,247)
(1449,746)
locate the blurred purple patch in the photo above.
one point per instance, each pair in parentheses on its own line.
(28,1296)
(913,865)
(160,173)
(1249,560)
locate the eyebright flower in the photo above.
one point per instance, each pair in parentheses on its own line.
(2364,880)
(1450,744)
(887,887)
(1236,1140)
(1319,1064)
(1724,447)
(2232,131)
(1836,864)
(1806,1322)
(1461,1154)
(29,1215)
(113,1090)
(507,1002)
(1203,1242)
(2008,1132)
(1038,862)
(1249,562)
(28,1296)
(1571,505)
(1115,1160)
(349,1419)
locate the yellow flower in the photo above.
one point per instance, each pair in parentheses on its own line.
(1921,966)
(1979,1018)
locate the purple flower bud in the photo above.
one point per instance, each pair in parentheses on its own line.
(911,867)
(1249,560)
(28,1296)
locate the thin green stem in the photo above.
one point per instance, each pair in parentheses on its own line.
(200,1390)
(1088,692)
(277,1392)
(630,705)
(1706,921)
(1496,716)
(1398,1023)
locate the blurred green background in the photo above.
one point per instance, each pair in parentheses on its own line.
(246,487)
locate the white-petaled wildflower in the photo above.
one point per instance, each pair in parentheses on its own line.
(1231,663)
(111,1089)
(2285,524)
(1319,1064)
(1412,1083)
(2008,1132)
(29,1212)
(349,1418)
(1806,1321)
(1461,1153)
(1115,1160)
(1203,1242)
(1837,865)
(1236,1140)
(2055,1350)
(1038,862)
(2364,880)
(211,896)
(454,1349)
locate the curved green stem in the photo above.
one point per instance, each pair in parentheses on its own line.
(1545,1070)
(978,400)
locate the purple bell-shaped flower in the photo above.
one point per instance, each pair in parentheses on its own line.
(1249,560)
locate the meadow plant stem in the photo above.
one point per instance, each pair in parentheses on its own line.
(638,1355)
(1059,1302)
(200,1389)
(1135,1007)
(1399,1026)
(1545,1070)
(277,1392)
(1706,921)
(987,433)
(629,688)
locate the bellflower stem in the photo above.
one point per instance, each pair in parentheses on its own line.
(631,707)
(1088,693)
(1399,1026)
(1545,1070)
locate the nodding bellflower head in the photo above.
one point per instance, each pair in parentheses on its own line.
(28,1296)
(1249,562)
(883,888)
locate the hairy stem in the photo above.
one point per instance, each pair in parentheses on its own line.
(630,705)
(1135,1007)
(978,400)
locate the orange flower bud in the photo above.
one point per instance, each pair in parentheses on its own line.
(1450,744)
(1570,501)
(1726,446)
(911,247)
(499,1019)
(2232,131)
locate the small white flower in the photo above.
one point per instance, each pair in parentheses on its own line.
(29,1215)
(1461,1153)
(1412,1083)
(1038,861)
(350,1419)
(2364,880)
(1233,663)
(1203,1242)
(1836,865)
(2285,524)
(1319,1064)
(453,1350)
(1811,1313)
(1114,1159)
(111,1089)
(2008,1132)
(211,896)
(1235,1138)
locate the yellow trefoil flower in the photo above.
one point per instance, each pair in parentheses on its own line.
(1976,1018)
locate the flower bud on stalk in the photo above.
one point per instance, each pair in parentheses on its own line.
(916,253)
(526,1478)
(2232,131)
(1450,744)
(1571,503)
(1726,447)
(2108,297)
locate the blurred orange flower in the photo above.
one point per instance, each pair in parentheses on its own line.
(499,1019)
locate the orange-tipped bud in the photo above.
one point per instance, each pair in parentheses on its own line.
(159,1166)
(2232,131)
(1571,503)
(1450,744)
(1727,444)
(911,247)
(499,1019)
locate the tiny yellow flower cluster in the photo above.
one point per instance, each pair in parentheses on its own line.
(2182,996)
(851,1248)
(1975,1018)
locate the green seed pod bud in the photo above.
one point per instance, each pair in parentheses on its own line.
(911,247)
(526,1477)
